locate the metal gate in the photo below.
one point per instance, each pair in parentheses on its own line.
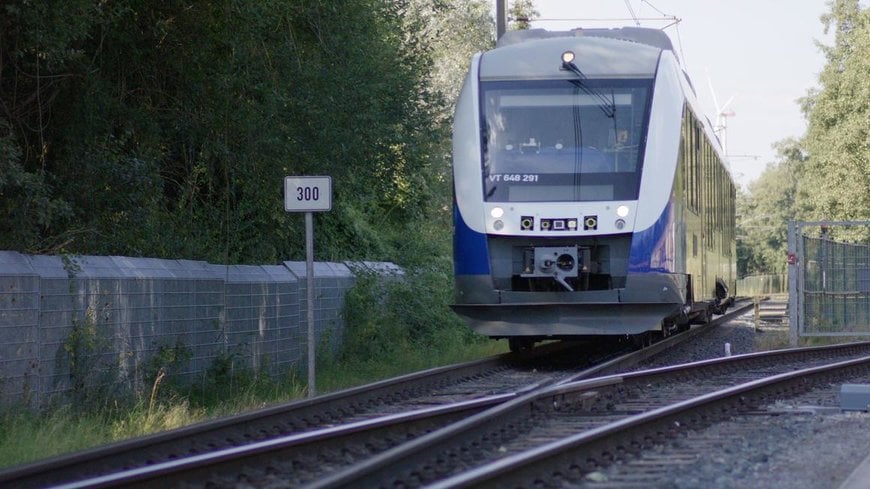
(829,279)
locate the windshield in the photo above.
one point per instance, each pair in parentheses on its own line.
(552,141)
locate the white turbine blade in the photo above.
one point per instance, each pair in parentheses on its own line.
(712,91)
(727,104)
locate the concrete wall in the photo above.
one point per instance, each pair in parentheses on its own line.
(73,321)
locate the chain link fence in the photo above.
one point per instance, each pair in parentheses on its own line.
(759,285)
(829,279)
(73,325)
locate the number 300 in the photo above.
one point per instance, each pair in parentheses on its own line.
(307,193)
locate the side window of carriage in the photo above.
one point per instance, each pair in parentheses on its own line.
(691,159)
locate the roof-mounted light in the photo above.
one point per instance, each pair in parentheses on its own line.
(568,57)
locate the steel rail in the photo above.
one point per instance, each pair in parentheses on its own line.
(632,433)
(418,452)
(229,460)
(272,421)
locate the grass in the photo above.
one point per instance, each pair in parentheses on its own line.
(27,436)
(343,374)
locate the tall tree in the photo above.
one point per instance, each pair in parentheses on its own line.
(522,13)
(164,129)
(456,30)
(837,177)
(764,212)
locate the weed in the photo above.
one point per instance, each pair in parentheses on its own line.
(165,362)
(394,328)
(91,371)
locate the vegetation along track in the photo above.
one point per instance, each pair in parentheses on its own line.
(503,374)
(558,434)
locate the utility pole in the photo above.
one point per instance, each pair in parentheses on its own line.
(500,18)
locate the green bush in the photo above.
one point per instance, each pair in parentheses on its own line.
(399,324)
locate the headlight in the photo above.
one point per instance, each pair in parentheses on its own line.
(622,211)
(496,212)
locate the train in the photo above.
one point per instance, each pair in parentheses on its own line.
(591,196)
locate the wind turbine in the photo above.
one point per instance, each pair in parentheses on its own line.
(722,115)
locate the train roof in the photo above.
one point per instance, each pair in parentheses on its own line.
(604,53)
(643,35)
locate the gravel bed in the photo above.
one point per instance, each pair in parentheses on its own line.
(799,445)
(799,451)
(740,335)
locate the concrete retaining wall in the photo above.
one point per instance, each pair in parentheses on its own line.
(68,322)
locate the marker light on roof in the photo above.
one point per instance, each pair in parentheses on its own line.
(568,57)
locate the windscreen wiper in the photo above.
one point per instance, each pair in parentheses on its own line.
(607,105)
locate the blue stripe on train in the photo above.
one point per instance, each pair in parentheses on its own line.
(654,248)
(470,253)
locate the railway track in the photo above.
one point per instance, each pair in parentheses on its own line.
(309,439)
(434,388)
(312,454)
(557,436)
(577,461)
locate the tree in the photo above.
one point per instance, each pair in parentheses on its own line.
(456,30)
(39,49)
(162,129)
(764,212)
(522,12)
(836,182)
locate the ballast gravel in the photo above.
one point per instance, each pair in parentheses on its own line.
(805,443)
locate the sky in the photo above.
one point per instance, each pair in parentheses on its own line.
(760,52)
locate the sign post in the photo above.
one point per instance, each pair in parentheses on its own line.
(308,195)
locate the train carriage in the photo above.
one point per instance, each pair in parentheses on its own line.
(590,197)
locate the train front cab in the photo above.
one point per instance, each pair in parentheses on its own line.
(543,266)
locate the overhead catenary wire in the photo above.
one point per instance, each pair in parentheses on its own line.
(673,20)
(654,8)
(680,43)
(612,19)
(631,12)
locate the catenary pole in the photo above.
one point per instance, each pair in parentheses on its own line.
(500,18)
